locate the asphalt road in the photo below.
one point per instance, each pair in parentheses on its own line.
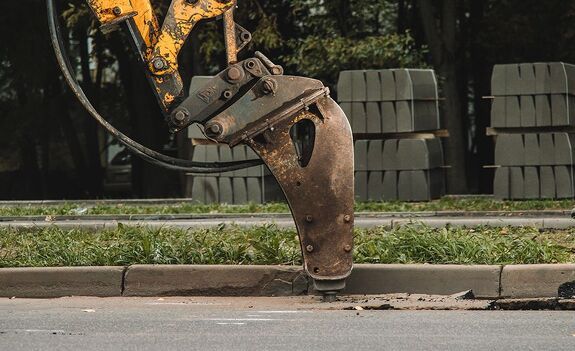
(267,324)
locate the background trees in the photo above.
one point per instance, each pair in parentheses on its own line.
(50,149)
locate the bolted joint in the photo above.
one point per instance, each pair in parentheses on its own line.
(214,130)
(235,74)
(180,118)
(269,86)
(159,64)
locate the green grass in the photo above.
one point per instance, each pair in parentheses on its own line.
(270,245)
(445,204)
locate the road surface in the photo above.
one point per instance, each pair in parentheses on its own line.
(268,324)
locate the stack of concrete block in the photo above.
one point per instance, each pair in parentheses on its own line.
(533,95)
(396,101)
(535,166)
(533,106)
(252,185)
(399,169)
(390,101)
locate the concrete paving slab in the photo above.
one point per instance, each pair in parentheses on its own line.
(375,186)
(512,80)
(528,79)
(543,78)
(532,151)
(373,116)
(240,190)
(512,112)
(561,111)
(358,117)
(390,179)
(344,87)
(498,86)
(359,86)
(547,146)
(528,114)
(375,155)
(501,184)
(424,84)
(498,106)
(373,85)
(388,117)
(543,111)
(547,180)
(388,90)
(531,183)
(564,182)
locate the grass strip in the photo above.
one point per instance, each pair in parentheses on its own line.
(445,204)
(270,245)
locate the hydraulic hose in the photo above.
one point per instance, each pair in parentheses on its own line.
(140,150)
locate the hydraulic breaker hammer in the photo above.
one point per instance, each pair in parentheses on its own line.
(291,123)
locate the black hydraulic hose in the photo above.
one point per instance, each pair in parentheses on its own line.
(140,150)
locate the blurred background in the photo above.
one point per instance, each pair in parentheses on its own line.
(51,149)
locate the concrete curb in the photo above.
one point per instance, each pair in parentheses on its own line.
(146,280)
(287,222)
(489,282)
(61,281)
(424,279)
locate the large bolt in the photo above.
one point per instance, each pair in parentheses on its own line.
(180,117)
(234,74)
(214,130)
(159,63)
(117,10)
(270,86)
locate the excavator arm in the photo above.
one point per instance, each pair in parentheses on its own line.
(291,122)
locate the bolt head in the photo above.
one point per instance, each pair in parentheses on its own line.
(270,86)
(117,10)
(309,218)
(214,130)
(347,248)
(181,116)
(309,248)
(347,218)
(159,63)
(234,74)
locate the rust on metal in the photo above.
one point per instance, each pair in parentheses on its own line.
(230,36)
(321,194)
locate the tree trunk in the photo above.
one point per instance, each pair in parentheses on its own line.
(441,36)
(481,88)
